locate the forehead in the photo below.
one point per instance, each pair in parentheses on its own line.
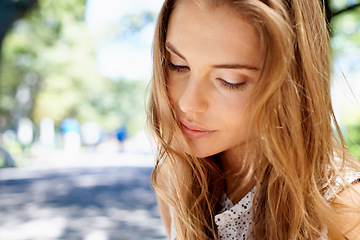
(220,31)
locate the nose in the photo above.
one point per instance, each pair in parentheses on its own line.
(194,97)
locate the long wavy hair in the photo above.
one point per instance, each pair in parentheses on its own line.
(299,150)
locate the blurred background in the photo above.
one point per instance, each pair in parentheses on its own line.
(75,158)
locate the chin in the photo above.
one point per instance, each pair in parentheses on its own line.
(199,151)
(204,154)
(195,153)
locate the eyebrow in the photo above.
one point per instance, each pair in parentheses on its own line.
(236,66)
(173,50)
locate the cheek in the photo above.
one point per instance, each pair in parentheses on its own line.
(236,116)
(243,126)
(235,108)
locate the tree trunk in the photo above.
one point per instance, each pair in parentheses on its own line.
(10,11)
(330,14)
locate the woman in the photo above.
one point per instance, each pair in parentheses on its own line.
(240,107)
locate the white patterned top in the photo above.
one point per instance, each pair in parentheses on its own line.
(234,221)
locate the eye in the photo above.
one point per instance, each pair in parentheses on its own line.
(232,86)
(178,68)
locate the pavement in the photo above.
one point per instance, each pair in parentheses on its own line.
(90,195)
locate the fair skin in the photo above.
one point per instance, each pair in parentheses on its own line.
(212,72)
(211,76)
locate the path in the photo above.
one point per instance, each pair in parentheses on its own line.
(96,200)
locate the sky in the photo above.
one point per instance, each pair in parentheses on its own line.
(118,56)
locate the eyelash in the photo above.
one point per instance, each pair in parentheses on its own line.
(233,86)
(178,68)
(230,86)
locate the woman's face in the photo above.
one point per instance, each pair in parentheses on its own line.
(215,60)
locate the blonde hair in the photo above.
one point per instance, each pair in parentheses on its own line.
(294,157)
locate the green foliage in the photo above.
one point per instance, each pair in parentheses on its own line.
(346,30)
(51,54)
(352,134)
(338,5)
(353,139)
(346,45)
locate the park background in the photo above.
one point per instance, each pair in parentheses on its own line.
(89,62)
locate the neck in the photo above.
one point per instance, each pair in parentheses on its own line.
(238,175)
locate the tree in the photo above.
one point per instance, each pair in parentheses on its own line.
(26,60)
(10,11)
(331,12)
(50,57)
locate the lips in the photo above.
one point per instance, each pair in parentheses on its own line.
(194,131)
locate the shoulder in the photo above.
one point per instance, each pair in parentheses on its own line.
(347,207)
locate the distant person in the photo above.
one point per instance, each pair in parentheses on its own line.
(70,128)
(248,144)
(121,136)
